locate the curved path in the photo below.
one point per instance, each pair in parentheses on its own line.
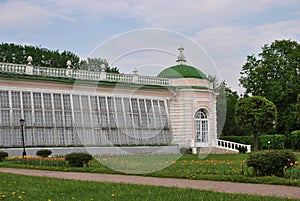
(218,186)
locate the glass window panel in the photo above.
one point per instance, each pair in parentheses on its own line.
(158,121)
(67,101)
(112,120)
(76,102)
(57,101)
(134,105)
(28,117)
(86,119)
(142,105)
(48,118)
(85,102)
(50,140)
(28,136)
(4,99)
(127,105)
(155,106)
(78,119)
(15,99)
(149,106)
(6,137)
(69,137)
(111,104)
(37,100)
(39,137)
(129,120)
(5,117)
(16,117)
(162,107)
(68,119)
(26,96)
(58,119)
(102,104)
(60,137)
(136,118)
(47,101)
(104,119)
(96,120)
(144,123)
(151,121)
(38,118)
(16,137)
(94,103)
(119,105)
(121,123)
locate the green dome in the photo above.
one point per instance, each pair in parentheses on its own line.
(182,71)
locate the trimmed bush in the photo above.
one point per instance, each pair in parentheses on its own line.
(44,153)
(3,155)
(277,139)
(242,150)
(78,159)
(295,139)
(271,163)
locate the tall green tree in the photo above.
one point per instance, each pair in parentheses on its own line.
(255,114)
(93,64)
(298,107)
(275,74)
(13,53)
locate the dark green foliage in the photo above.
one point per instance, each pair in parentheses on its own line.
(44,153)
(275,74)
(295,140)
(270,163)
(255,114)
(93,64)
(78,159)
(242,150)
(277,141)
(3,155)
(12,53)
(239,139)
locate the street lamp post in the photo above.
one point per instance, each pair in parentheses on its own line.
(22,122)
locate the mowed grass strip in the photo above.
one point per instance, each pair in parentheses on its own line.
(19,187)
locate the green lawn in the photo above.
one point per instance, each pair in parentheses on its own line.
(19,187)
(222,167)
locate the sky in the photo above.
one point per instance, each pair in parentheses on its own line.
(217,34)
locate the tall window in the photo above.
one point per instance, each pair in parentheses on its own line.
(201,126)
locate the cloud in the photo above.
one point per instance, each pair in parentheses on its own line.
(230,45)
(22,15)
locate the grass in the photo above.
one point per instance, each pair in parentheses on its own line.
(228,167)
(19,187)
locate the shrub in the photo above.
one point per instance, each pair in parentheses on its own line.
(44,153)
(3,155)
(271,163)
(242,150)
(278,140)
(295,139)
(78,159)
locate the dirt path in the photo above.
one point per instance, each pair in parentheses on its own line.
(218,186)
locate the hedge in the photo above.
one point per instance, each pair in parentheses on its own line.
(279,139)
(295,139)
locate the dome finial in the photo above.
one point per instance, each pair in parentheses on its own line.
(181,58)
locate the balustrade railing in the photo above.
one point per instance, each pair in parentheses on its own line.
(233,146)
(81,74)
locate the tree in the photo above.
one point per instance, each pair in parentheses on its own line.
(255,114)
(275,74)
(298,107)
(12,53)
(93,64)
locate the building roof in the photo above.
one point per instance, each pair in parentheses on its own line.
(182,71)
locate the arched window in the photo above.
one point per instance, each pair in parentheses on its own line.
(201,126)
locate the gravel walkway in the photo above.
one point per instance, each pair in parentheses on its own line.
(218,186)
